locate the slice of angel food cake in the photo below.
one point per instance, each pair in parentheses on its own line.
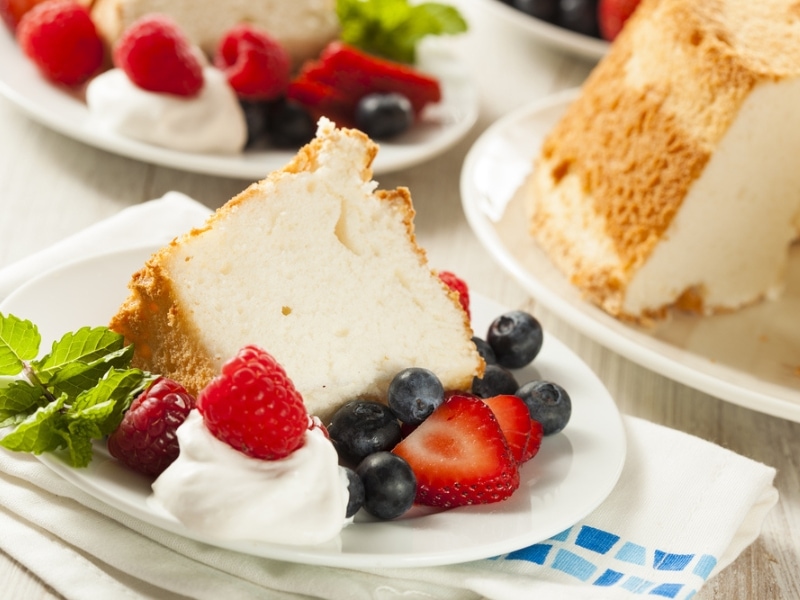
(670,181)
(316,266)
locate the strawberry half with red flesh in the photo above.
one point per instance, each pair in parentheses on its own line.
(459,456)
(514,418)
(333,85)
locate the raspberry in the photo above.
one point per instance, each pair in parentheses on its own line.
(145,440)
(455,283)
(257,66)
(158,57)
(61,39)
(254,407)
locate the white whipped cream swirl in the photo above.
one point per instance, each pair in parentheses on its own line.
(218,491)
(211,122)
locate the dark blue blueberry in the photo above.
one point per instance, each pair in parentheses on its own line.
(389,485)
(362,427)
(256,115)
(547,10)
(579,16)
(415,393)
(382,116)
(516,338)
(290,125)
(496,380)
(548,403)
(355,487)
(485,350)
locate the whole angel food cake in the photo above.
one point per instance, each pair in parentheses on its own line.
(303,27)
(317,267)
(670,181)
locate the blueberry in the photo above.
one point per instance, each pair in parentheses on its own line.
(256,116)
(548,403)
(516,338)
(415,393)
(362,427)
(580,16)
(485,350)
(496,380)
(382,116)
(389,485)
(290,125)
(547,10)
(355,487)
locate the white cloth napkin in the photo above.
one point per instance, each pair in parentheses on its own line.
(683,510)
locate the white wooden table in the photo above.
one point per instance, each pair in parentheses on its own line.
(51,186)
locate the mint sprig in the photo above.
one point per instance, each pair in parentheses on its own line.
(76,393)
(393,28)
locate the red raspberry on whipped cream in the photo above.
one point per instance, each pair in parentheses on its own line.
(254,407)
(158,57)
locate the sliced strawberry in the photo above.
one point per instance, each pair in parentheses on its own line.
(460,456)
(515,420)
(360,74)
(534,441)
(333,85)
(322,100)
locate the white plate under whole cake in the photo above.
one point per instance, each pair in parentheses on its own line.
(572,474)
(56,108)
(571,42)
(750,357)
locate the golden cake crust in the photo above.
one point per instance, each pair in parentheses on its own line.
(166,341)
(647,122)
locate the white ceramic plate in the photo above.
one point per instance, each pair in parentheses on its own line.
(442,125)
(750,357)
(553,35)
(572,474)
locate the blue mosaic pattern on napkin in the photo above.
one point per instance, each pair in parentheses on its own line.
(602,558)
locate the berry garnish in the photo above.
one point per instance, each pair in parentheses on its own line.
(460,456)
(496,380)
(157,57)
(355,491)
(383,116)
(256,65)
(390,485)
(516,338)
(547,10)
(534,441)
(458,285)
(254,407)
(485,350)
(333,85)
(414,393)
(12,11)
(548,403)
(362,427)
(612,14)
(62,41)
(579,16)
(145,440)
(514,419)
(289,124)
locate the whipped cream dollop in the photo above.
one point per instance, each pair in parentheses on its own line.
(211,122)
(216,490)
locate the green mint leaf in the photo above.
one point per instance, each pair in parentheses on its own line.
(393,28)
(76,377)
(40,432)
(19,341)
(118,388)
(17,401)
(82,430)
(86,345)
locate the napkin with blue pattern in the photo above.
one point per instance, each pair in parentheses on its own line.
(682,510)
